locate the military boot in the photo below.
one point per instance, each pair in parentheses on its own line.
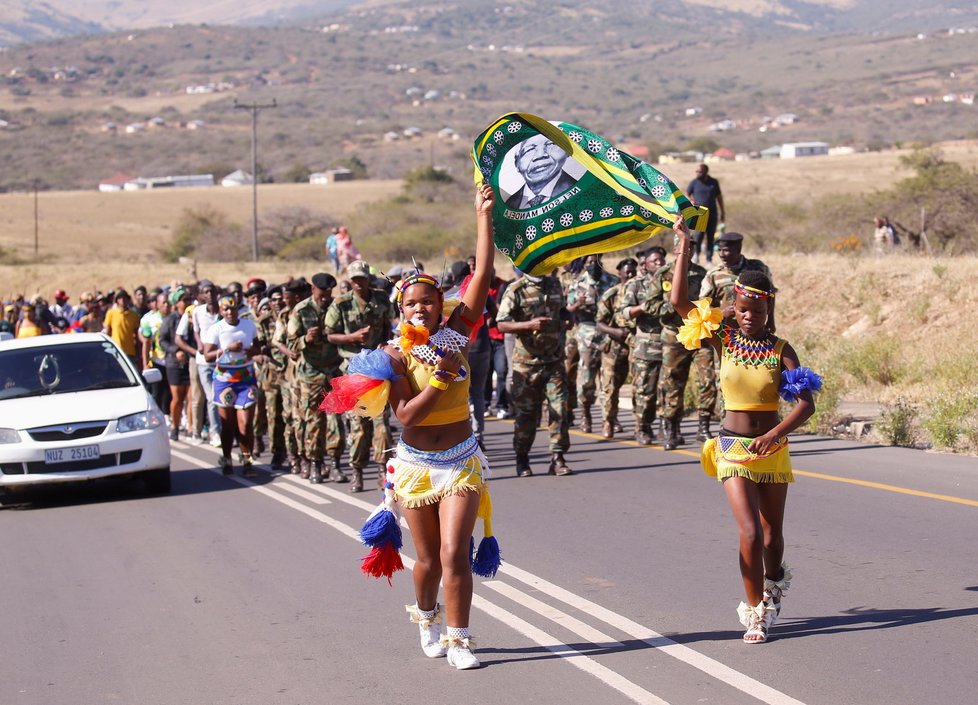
(357,484)
(661,435)
(643,436)
(523,465)
(316,476)
(703,431)
(558,466)
(608,430)
(304,468)
(675,439)
(295,464)
(586,418)
(335,473)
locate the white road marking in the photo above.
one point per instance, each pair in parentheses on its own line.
(299,492)
(707,665)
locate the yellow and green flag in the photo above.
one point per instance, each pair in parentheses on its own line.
(563,192)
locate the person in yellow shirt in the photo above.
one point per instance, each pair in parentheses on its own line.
(28,327)
(121,324)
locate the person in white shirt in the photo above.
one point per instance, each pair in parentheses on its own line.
(204,316)
(230,345)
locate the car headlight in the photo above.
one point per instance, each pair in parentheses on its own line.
(141,421)
(9,435)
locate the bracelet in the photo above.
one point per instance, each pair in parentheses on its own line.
(438,384)
(446,373)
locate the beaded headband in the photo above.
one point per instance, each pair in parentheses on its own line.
(229,300)
(411,280)
(752,293)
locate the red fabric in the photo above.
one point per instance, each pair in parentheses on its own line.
(482,317)
(382,562)
(346,390)
(495,286)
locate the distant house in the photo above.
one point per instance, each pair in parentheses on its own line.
(771,152)
(412,132)
(238,178)
(135,127)
(967,99)
(693,112)
(724,154)
(791,150)
(151,182)
(157,122)
(447,133)
(786,119)
(680,157)
(109,127)
(331,176)
(196,125)
(116,182)
(392,136)
(722,126)
(922,100)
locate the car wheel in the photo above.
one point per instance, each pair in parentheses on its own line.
(157,481)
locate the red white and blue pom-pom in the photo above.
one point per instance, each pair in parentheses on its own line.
(382,532)
(794,382)
(367,372)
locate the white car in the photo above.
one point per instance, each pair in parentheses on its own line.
(74,408)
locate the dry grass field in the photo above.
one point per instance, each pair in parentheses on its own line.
(130,226)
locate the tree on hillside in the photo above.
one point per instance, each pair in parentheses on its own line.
(939,200)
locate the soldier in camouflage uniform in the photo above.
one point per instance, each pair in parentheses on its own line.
(582,301)
(271,376)
(533,309)
(292,293)
(635,311)
(614,351)
(676,359)
(360,319)
(718,286)
(319,434)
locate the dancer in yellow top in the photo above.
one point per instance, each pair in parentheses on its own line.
(750,455)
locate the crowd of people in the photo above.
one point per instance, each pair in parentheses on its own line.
(248,365)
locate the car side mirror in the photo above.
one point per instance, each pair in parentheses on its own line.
(152,375)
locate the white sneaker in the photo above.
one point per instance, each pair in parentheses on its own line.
(460,654)
(502,414)
(215,440)
(429,630)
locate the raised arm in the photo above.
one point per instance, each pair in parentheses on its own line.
(679,298)
(474,299)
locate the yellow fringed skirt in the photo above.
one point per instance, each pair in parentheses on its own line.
(425,477)
(728,456)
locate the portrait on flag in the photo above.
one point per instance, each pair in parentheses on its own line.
(540,170)
(563,192)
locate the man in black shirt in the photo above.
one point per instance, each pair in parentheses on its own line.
(704,190)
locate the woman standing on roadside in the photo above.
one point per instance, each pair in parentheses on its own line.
(176,360)
(750,455)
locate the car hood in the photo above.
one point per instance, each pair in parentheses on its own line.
(73,407)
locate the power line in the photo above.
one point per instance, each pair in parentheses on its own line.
(254,108)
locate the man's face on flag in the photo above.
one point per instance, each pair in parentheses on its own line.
(539,160)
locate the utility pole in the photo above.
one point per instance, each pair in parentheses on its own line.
(35,221)
(254,108)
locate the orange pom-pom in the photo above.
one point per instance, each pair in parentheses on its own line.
(412,335)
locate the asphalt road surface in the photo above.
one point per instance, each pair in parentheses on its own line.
(619,585)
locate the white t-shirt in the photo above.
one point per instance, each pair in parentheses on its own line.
(223,335)
(203,320)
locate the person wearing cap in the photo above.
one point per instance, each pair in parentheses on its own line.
(61,308)
(360,320)
(293,292)
(274,376)
(8,324)
(122,325)
(318,362)
(176,358)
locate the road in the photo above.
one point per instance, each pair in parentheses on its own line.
(620,585)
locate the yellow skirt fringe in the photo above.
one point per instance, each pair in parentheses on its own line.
(727,456)
(423,478)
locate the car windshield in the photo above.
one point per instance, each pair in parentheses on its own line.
(63,369)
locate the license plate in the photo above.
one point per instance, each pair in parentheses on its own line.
(68,455)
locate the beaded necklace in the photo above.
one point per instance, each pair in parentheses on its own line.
(750,351)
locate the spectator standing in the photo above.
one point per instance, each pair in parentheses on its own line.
(332,250)
(498,358)
(884,236)
(176,358)
(61,308)
(28,325)
(704,191)
(204,316)
(346,251)
(9,322)
(614,351)
(122,325)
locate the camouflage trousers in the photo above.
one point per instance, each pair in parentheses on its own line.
(676,362)
(260,422)
(589,343)
(614,370)
(572,357)
(317,434)
(290,394)
(370,434)
(645,392)
(532,384)
(274,394)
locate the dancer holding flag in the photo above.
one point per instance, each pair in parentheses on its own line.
(750,456)
(438,476)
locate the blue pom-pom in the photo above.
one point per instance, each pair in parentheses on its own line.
(382,528)
(487,559)
(375,364)
(471,550)
(793,382)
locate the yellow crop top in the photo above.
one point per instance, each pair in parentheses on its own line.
(452,404)
(749,384)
